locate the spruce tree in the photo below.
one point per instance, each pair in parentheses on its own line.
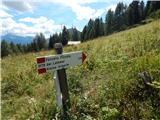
(142,12)
(147,8)
(14,48)
(130,16)
(97,27)
(109,21)
(83,34)
(75,36)
(90,34)
(20,47)
(34,45)
(41,41)
(5,48)
(51,42)
(101,27)
(136,13)
(65,36)
(120,17)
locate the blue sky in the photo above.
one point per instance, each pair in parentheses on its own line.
(28,17)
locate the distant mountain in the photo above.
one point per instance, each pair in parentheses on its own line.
(17,39)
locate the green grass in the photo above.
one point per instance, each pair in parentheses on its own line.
(105,87)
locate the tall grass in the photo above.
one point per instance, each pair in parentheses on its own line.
(106,86)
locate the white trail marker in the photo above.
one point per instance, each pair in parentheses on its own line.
(60,61)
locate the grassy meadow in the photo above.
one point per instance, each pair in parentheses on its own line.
(105,87)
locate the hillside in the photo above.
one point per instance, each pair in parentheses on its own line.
(105,87)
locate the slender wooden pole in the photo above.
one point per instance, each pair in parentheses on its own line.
(61,74)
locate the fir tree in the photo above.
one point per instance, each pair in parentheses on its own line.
(65,36)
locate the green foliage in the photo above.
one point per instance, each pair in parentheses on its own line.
(152,6)
(109,114)
(155,15)
(106,86)
(140,97)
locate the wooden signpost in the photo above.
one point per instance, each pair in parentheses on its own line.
(58,63)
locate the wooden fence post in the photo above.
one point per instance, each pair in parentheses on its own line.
(61,74)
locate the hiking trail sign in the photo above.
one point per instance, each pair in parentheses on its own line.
(60,61)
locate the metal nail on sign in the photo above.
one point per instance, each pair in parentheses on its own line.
(60,61)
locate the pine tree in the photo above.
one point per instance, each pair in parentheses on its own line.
(41,41)
(51,42)
(120,17)
(29,48)
(24,48)
(129,16)
(90,30)
(14,48)
(147,8)
(83,34)
(154,6)
(20,47)
(142,15)
(101,27)
(59,39)
(75,35)
(34,45)
(97,27)
(109,21)
(5,48)
(135,12)
(65,36)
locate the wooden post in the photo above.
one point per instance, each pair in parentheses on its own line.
(61,74)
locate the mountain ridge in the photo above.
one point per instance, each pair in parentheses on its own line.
(17,39)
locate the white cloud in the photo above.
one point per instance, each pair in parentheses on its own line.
(79,7)
(41,24)
(34,20)
(18,5)
(82,12)
(3,7)
(86,12)
(4,14)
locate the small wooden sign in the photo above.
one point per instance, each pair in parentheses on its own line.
(60,61)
